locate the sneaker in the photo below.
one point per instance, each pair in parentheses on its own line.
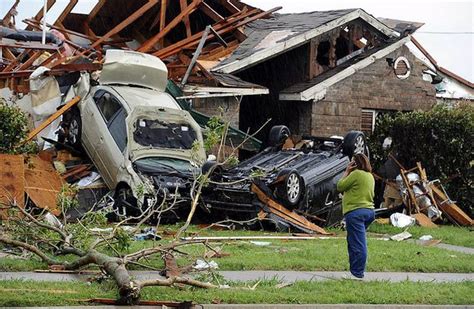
(350,276)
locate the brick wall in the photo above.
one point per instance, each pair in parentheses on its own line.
(374,87)
(227,108)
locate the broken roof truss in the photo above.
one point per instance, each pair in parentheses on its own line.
(171,30)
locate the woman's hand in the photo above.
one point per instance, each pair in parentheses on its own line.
(352,166)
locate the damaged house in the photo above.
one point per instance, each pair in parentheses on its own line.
(327,72)
(318,73)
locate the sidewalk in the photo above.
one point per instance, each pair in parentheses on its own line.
(283,276)
(271,306)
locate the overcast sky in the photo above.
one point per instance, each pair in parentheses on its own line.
(447,33)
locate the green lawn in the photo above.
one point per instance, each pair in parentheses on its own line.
(460,236)
(27,293)
(315,254)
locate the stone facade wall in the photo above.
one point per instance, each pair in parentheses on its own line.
(375,87)
(227,107)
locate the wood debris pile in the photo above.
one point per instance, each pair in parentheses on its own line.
(171,30)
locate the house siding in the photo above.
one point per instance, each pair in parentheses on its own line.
(374,87)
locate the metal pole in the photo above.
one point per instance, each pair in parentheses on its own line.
(43,40)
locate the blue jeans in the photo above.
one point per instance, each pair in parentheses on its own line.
(357,222)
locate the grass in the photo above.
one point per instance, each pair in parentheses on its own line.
(460,236)
(27,293)
(309,255)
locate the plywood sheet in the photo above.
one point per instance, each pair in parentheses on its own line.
(11,182)
(43,184)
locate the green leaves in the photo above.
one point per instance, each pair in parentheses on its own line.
(441,139)
(13,130)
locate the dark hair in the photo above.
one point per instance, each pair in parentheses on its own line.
(362,162)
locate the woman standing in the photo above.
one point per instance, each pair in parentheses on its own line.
(357,184)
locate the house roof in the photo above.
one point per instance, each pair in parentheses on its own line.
(401,26)
(267,38)
(439,68)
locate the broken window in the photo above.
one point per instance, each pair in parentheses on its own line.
(108,106)
(323,53)
(118,129)
(162,134)
(114,115)
(342,47)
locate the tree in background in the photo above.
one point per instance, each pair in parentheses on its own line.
(441,139)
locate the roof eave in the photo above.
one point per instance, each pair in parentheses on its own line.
(260,56)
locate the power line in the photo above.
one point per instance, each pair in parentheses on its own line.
(444,32)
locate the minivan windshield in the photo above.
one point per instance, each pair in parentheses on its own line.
(164,134)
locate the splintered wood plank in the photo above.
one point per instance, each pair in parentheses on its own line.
(287,215)
(423,220)
(53,117)
(43,184)
(12,187)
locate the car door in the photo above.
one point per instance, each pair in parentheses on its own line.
(111,136)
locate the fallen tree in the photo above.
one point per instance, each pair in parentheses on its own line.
(84,247)
(67,246)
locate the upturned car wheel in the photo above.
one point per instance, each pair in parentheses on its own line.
(354,142)
(291,189)
(278,135)
(74,129)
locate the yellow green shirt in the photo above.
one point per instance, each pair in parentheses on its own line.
(358,189)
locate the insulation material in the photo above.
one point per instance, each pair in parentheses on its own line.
(11,182)
(45,93)
(43,184)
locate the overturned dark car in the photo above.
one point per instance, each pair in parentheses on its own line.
(292,179)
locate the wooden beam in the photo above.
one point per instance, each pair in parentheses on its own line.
(451,210)
(287,215)
(65,12)
(152,41)
(194,40)
(39,15)
(164,7)
(51,118)
(183,4)
(7,53)
(209,11)
(95,10)
(229,6)
(30,61)
(9,14)
(137,14)
(219,28)
(17,60)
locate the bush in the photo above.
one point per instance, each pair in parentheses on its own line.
(13,130)
(441,139)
